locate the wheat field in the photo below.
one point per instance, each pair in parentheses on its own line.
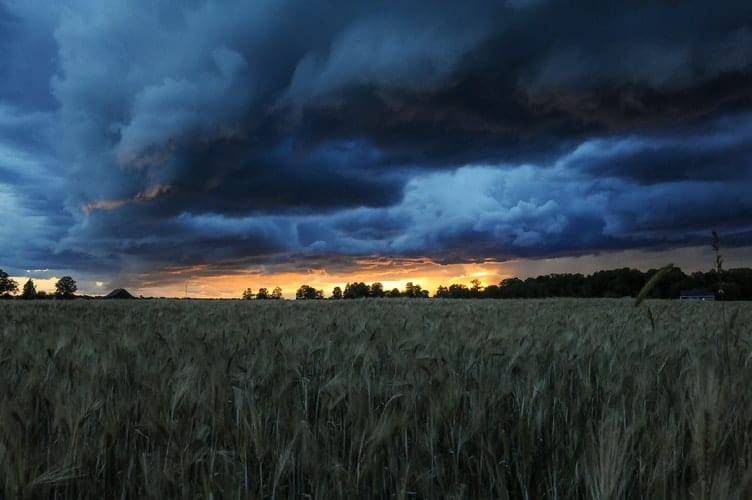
(375,399)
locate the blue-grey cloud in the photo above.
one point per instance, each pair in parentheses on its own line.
(139,135)
(29,56)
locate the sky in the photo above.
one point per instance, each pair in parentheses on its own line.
(207,145)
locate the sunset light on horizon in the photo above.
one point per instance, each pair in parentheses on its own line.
(204,282)
(223,145)
(427,274)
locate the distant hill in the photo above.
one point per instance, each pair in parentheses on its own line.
(119,293)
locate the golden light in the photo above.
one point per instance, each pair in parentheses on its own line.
(391,273)
(201,281)
(46,285)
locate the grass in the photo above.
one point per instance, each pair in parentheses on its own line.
(374,399)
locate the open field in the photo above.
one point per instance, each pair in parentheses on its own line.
(375,399)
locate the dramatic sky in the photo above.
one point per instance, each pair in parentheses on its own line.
(225,143)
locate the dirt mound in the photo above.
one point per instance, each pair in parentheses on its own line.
(119,293)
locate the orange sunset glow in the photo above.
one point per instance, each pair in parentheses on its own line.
(203,283)
(392,274)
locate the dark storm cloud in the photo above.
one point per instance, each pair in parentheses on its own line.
(721,150)
(553,71)
(230,178)
(31,191)
(28,57)
(139,134)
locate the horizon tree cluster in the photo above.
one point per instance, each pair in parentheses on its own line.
(732,284)
(725,284)
(262,294)
(65,288)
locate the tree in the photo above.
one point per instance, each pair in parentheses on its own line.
(442,292)
(7,285)
(458,291)
(377,290)
(476,289)
(337,293)
(510,282)
(394,293)
(29,291)
(306,292)
(66,287)
(263,294)
(276,293)
(247,294)
(356,290)
(415,291)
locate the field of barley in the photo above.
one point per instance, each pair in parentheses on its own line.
(375,399)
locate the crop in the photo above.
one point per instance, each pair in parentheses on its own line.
(374,399)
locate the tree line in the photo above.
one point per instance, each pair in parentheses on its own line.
(732,284)
(359,290)
(65,288)
(262,294)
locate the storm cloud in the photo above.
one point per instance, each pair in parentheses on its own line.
(135,136)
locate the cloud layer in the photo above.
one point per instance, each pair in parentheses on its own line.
(136,136)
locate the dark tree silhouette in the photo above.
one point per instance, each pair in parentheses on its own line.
(29,291)
(262,294)
(459,291)
(612,283)
(7,285)
(510,282)
(276,293)
(306,292)
(476,289)
(66,287)
(414,291)
(247,294)
(356,290)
